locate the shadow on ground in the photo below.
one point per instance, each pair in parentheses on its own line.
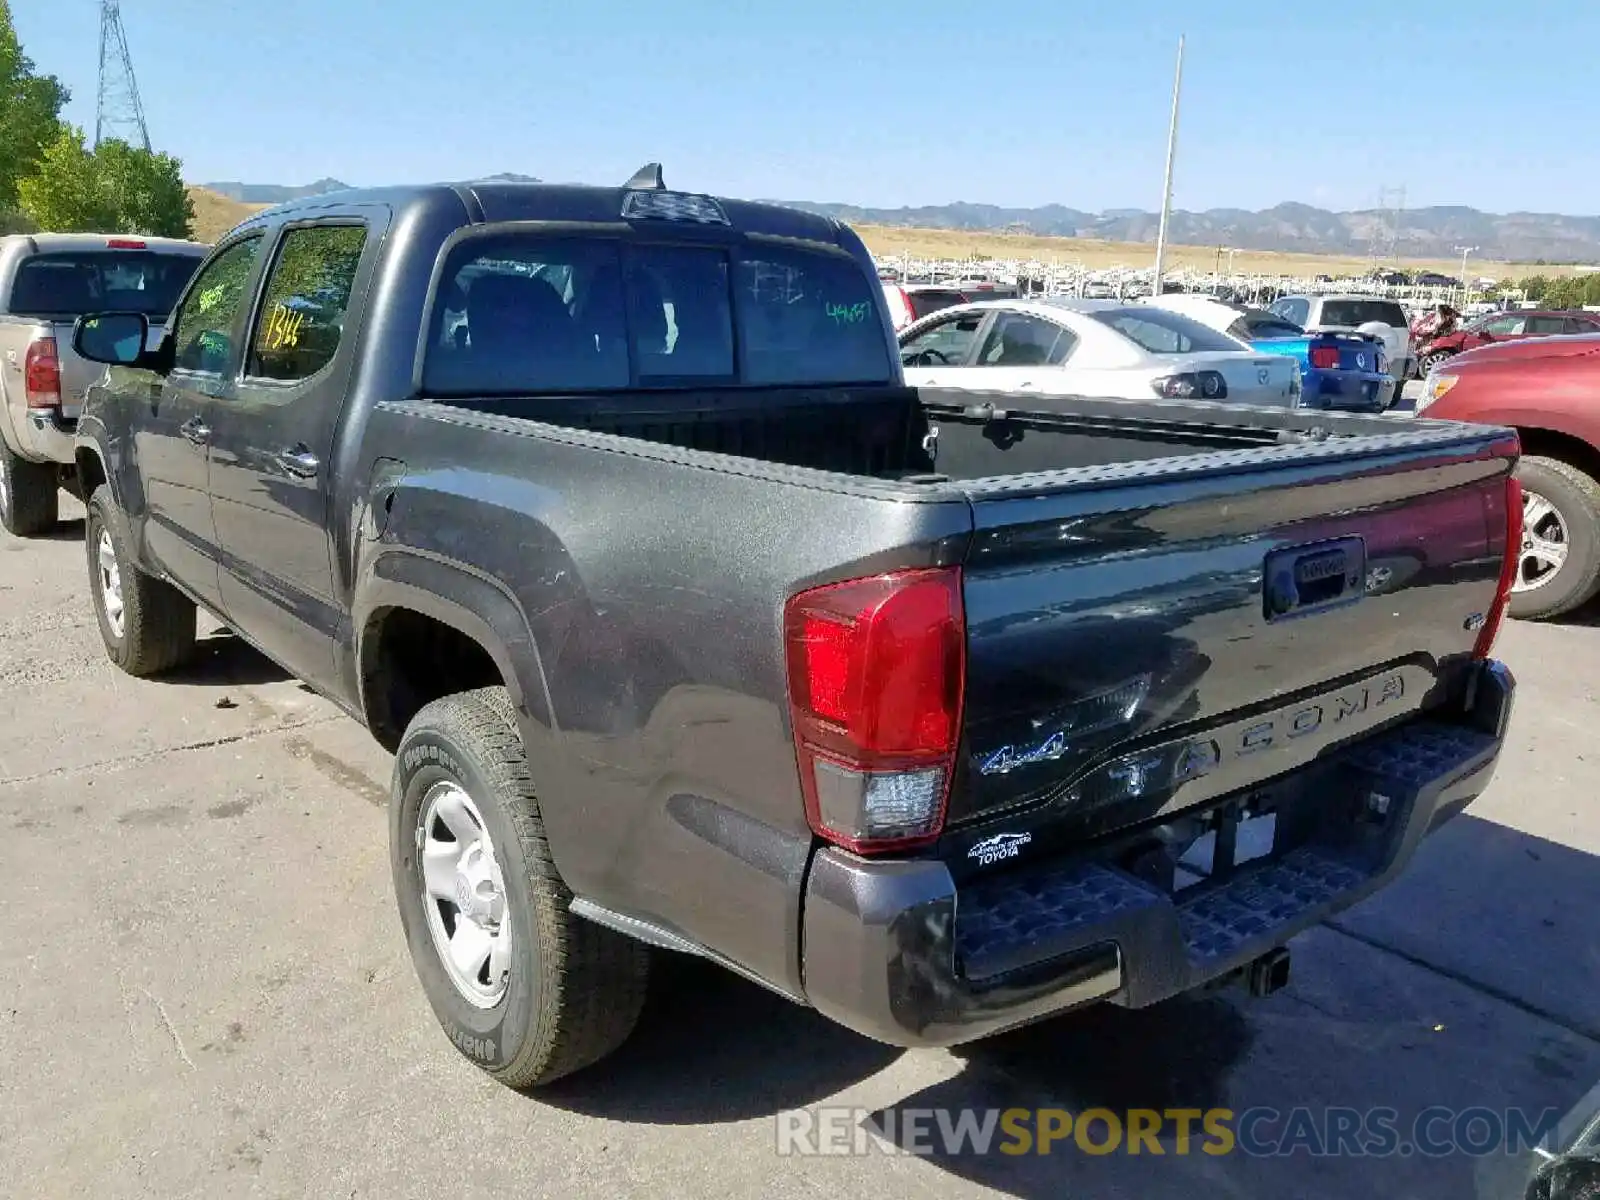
(62,531)
(1457,996)
(1510,940)
(712,1047)
(225,660)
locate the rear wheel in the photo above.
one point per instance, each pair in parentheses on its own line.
(523,988)
(1559,567)
(29,500)
(147,625)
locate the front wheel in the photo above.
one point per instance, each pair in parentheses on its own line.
(30,502)
(147,625)
(1559,565)
(1430,361)
(523,988)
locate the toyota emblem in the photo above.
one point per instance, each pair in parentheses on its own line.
(1262,375)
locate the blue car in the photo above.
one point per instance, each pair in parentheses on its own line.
(1347,371)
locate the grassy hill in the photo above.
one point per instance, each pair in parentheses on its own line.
(215,214)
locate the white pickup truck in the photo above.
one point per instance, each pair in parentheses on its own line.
(47,281)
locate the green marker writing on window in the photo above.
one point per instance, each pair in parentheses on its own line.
(849,314)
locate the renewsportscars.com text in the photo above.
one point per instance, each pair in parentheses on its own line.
(1259,1132)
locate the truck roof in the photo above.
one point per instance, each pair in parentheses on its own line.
(492,201)
(53,243)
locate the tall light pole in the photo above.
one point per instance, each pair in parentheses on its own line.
(1465,250)
(1166,184)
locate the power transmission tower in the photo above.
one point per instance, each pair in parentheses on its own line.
(119,113)
(1392,203)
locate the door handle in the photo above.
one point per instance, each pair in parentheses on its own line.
(299,462)
(196,430)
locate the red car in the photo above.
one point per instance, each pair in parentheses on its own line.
(1501,327)
(1548,390)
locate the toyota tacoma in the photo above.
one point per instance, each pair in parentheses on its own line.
(693,629)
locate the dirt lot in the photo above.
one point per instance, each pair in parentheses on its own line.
(204,992)
(1094,254)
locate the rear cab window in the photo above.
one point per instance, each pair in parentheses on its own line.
(1159,331)
(1355,313)
(1260,324)
(519,313)
(1296,309)
(69,284)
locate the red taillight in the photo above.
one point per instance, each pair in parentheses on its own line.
(876,669)
(124,244)
(1509,567)
(1325,358)
(904,312)
(41,372)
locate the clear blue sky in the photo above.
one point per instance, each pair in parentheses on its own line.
(1025,102)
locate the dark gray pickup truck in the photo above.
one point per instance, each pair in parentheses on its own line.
(691,627)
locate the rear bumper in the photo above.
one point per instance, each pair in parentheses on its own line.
(1349,391)
(46,435)
(897,951)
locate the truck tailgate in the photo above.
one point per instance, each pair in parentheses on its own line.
(1152,635)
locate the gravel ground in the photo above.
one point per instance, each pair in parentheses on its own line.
(204,990)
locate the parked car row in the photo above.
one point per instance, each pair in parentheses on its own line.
(1339,369)
(1502,327)
(1061,347)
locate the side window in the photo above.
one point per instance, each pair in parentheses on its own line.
(1018,340)
(947,344)
(308,294)
(680,313)
(1546,325)
(1506,326)
(203,332)
(1581,325)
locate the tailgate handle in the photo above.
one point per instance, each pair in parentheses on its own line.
(1310,578)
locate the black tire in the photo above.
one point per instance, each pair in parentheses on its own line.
(1576,497)
(574,989)
(158,621)
(30,502)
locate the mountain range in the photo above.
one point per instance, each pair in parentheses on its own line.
(1436,232)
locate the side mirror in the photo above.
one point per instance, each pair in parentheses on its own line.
(115,339)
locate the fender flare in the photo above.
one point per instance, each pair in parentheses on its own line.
(92,440)
(468,601)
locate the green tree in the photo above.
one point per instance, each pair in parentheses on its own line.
(146,189)
(1535,288)
(117,188)
(64,193)
(30,112)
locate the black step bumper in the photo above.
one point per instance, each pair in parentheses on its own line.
(897,951)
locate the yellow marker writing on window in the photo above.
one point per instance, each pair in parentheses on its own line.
(283,328)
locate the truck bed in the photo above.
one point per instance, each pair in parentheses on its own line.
(884,433)
(1115,563)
